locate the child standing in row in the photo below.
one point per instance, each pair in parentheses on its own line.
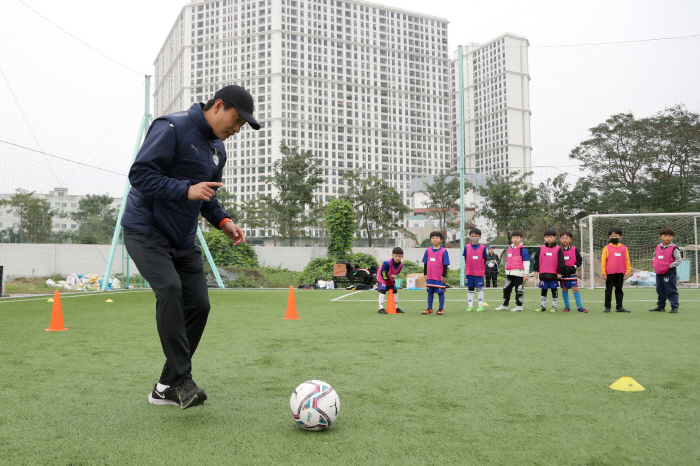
(386,278)
(667,257)
(615,267)
(549,267)
(475,257)
(572,261)
(435,264)
(517,268)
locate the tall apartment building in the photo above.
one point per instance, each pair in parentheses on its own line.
(496,106)
(361,85)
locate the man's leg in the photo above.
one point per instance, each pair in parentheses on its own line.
(153,257)
(195,299)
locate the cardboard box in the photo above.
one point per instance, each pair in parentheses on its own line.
(416,280)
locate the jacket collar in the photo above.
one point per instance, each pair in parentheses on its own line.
(197,115)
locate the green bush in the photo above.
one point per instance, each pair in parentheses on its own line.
(320,268)
(410,267)
(261,277)
(365,261)
(225,254)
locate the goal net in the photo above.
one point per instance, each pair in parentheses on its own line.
(640,233)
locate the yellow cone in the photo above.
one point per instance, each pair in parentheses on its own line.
(486,304)
(627,384)
(50,300)
(109,301)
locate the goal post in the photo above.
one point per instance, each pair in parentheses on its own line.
(640,233)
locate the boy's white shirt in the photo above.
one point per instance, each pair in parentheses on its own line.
(518,272)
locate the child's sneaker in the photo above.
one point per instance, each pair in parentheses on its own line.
(427,311)
(470,308)
(622,309)
(583,309)
(607,309)
(382,311)
(541,309)
(554,309)
(399,311)
(566,309)
(658,309)
(517,309)
(480,309)
(440,312)
(502,308)
(674,310)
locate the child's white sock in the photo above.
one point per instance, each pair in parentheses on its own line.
(381,300)
(480,294)
(470,296)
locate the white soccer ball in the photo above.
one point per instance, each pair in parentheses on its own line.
(314,405)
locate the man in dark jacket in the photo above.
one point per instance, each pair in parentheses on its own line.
(492,264)
(174,178)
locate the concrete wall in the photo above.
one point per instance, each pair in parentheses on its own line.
(39,260)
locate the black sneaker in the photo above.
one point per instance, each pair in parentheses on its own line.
(674,310)
(190,394)
(622,309)
(399,311)
(566,309)
(382,311)
(166,397)
(607,309)
(658,309)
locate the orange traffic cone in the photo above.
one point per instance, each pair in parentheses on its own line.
(56,315)
(391,305)
(291,306)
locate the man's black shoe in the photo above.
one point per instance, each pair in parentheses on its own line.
(674,310)
(382,311)
(190,394)
(622,309)
(166,397)
(658,309)
(607,309)
(399,311)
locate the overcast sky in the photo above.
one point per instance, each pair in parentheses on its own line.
(84,104)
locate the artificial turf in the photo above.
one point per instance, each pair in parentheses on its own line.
(495,387)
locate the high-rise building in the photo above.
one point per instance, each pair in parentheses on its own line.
(496,106)
(361,85)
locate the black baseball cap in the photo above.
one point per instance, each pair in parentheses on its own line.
(241,100)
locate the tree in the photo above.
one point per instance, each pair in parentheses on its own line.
(295,176)
(340,221)
(225,254)
(509,201)
(443,197)
(96,219)
(35,217)
(227,200)
(378,206)
(644,165)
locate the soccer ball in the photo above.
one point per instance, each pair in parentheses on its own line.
(314,405)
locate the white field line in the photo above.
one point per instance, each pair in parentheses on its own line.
(71,295)
(349,294)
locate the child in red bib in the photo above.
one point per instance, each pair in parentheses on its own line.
(386,279)
(549,267)
(615,267)
(435,262)
(667,257)
(572,261)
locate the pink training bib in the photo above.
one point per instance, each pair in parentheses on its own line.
(617,260)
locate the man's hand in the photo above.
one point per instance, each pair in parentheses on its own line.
(443,280)
(202,191)
(234,232)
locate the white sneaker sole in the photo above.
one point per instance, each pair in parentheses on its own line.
(515,309)
(161,402)
(501,308)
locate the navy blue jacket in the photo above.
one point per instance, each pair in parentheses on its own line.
(180,150)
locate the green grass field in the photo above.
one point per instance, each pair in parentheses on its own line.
(465,388)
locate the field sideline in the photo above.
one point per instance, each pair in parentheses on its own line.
(495,387)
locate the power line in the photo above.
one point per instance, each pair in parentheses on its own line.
(61,158)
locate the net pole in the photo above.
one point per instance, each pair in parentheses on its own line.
(145,121)
(695,225)
(583,263)
(590,248)
(205,248)
(461,167)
